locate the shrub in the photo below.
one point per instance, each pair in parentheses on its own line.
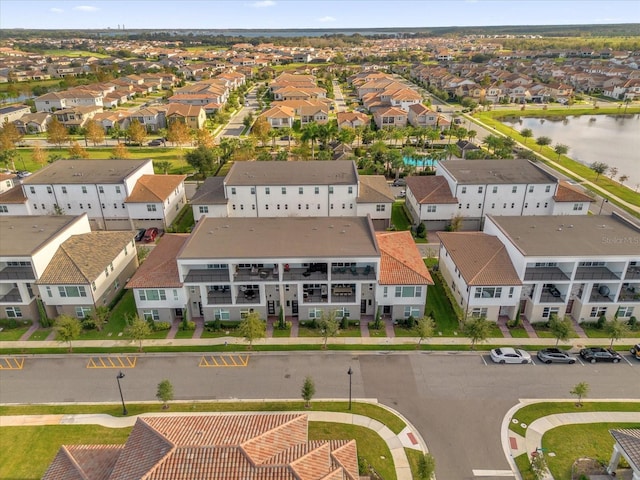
(89,324)
(188,325)
(159,326)
(410,322)
(633,322)
(313,324)
(601,321)
(344,323)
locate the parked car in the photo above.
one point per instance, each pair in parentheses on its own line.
(402,194)
(510,355)
(23,174)
(399,182)
(600,354)
(156,142)
(151,234)
(635,351)
(140,234)
(555,355)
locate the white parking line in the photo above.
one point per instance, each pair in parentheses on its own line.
(533,362)
(483,360)
(580,360)
(625,359)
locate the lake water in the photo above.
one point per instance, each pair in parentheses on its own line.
(612,139)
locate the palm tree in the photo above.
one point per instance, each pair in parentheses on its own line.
(310,132)
(396,134)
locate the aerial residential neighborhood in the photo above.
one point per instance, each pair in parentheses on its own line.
(292,248)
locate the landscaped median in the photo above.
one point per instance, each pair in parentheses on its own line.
(565,432)
(37,431)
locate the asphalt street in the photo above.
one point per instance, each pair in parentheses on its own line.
(455,400)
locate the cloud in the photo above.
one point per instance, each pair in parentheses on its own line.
(56,10)
(86,8)
(326,19)
(263,3)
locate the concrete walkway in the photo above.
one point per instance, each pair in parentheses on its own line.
(514,444)
(408,438)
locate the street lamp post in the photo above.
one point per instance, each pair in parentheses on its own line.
(118,377)
(604,200)
(350,372)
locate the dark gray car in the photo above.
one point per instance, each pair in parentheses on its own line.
(555,355)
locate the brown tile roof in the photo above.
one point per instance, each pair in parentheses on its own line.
(570,193)
(183,110)
(481,259)
(160,269)
(400,260)
(13,195)
(82,258)
(279,112)
(154,188)
(629,441)
(374,189)
(83,462)
(431,189)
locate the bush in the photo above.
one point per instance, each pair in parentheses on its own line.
(633,322)
(410,322)
(188,326)
(89,324)
(601,321)
(312,324)
(344,323)
(159,326)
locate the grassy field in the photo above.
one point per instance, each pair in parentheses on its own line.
(399,217)
(74,53)
(439,307)
(13,329)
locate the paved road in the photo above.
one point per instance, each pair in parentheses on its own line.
(456,401)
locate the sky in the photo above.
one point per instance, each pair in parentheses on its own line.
(269,14)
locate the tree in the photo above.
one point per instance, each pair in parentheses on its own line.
(165,393)
(94,132)
(136,132)
(526,133)
(204,138)
(426,466)
(599,168)
(310,133)
(120,151)
(425,328)
(613,172)
(580,390)
(560,328)
(163,166)
(252,328)
(308,391)
(476,329)
(623,178)
(615,330)
(560,149)
(38,155)
(138,330)
(346,135)
(57,133)
(100,316)
(202,159)
(78,151)
(9,137)
(178,132)
(329,326)
(261,129)
(543,142)
(67,329)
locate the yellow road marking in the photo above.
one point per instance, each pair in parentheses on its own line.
(112,362)
(11,363)
(224,361)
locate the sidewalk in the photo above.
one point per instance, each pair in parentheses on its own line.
(515,445)
(408,438)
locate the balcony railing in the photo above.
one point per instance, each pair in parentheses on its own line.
(546,297)
(259,274)
(206,276)
(304,274)
(633,273)
(597,297)
(595,273)
(353,273)
(219,297)
(12,296)
(545,273)
(17,273)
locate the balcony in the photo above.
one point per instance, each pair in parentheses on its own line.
(595,273)
(545,273)
(207,275)
(219,295)
(255,274)
(304,273)
(247,296)
(353,273)
(550,294)
(343,294)
(633,273)
(315,294)
(17,273)
(12,296)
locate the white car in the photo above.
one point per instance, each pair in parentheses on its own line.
(510,355)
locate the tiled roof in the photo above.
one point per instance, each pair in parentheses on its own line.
(160,269)
(629,441)
(481,259)
(400,261)
(279,112)
(431,189)
(81,259)
(13,195)
(374,189)
(570,193)
(154,188)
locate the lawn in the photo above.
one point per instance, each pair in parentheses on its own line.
(40,334)
(13,329)
(184,221)
(281,333)
(594,332)
(518,332)
(184,334)
(370,445)
(399,217)
(440,309)
(587,441)
(543,331)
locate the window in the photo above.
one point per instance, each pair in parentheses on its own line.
(330,189)
(548,311)
(316,190)
(151,315)
(464,190)
(624,312)
(495,189)
(431,208)
(84,189)
(83,312)
(380,207)
(32,189)
(547,189)
(493,205)
(578,206)
(487,292)
(411,312)
(300,190)
(151,208)
(49,294)
(479,189)
(315,313)
(284,190)
(152,294)
(597,312)
(72,291)
(13,312)
(514,190)
(93,286)
(479,312)
(350,190)
(233,190)
(64,189)
(221,314)
(342,312)
(4,209)
(385,292)
(49,190)
(592,264)
(511,289)
(408,291)
(117,189)
(530,188)
(101,189)
(267,190)
(203,209)
(253,190)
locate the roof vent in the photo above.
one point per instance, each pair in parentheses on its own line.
(210,232)
(559,229)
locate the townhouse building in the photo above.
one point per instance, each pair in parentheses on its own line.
(12,113)
(295,189)
(52,101)
(156,200)
(472,189)
(229,267)
(28,245)
(584,267)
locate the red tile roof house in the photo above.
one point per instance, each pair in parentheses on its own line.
(390,117)
(229,447)
(156,200)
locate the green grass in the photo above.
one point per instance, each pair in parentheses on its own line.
(531,412)
(587,441)
(184,221)
(281,333)
(73,53)
(370,445)
(414,457)
(401,331)
(518,332)
(439,307)
(399,217)
(184,334)
(594,332)
(524,465)
(40,334)
(13,329)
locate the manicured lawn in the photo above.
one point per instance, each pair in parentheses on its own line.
(40,334)
(404,331)
(593,332)
(544,332)
(184,334)
(399,217)
(531,412)
(518,332)
(522,461)
(13,329)
(281,333)
(184,221)
(414,457)
(308,332)
(370,444)
(439,307)
(590,441)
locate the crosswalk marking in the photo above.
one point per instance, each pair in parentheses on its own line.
(224,361)
(112,362)
(11,363)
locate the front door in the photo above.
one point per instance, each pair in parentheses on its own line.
(386,310)
(363,306)
(271,307)
(294,307)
